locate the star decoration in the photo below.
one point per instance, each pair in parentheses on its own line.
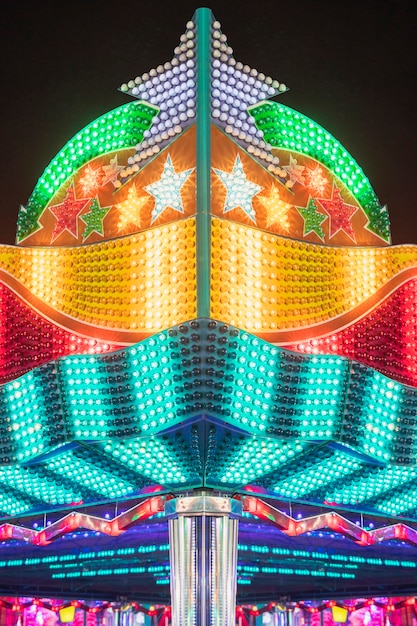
(67,214)
(276,210)
(90,180)
(111,172)
(130,209)
(167,190)
(316,181)
(229,87)
(339,212)
(313,219)
(93,220)
(295,171)
(239,190)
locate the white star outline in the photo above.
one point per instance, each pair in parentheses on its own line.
(167,190)
(239,190)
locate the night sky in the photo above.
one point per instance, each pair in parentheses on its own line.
(350,66)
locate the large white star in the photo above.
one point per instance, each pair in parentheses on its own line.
(239,190)
(167,190)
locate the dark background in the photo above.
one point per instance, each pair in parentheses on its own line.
(351,66)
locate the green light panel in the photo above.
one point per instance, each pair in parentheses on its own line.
(211,368)
(130,392)
(400,502)
(39,484)
(374,419)
(278,392)
(30,410)
(287,129)
(96,477)
(14,502)
(119,129)
(374,482)
(165,462)
(244,461)
(69,560)
(313,472)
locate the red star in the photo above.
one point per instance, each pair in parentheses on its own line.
(67,214)
(340,213)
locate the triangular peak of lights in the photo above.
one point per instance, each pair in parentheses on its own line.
(171,88)
(234,88)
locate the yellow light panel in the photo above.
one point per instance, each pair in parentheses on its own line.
(142,283)
(265,283)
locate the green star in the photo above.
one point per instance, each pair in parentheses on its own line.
(313,219)
(93,220)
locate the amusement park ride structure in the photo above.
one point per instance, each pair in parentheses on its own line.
(205,325)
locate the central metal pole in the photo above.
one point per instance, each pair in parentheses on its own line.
(203,533)
(203,19)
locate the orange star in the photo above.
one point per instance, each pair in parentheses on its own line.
(276,210)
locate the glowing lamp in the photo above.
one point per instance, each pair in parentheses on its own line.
(67,614)
(339,614)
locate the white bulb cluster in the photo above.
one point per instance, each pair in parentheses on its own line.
(172,89)
(234,88)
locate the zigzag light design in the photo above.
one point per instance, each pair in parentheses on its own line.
(259,508)
(278,400)
(292,410)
